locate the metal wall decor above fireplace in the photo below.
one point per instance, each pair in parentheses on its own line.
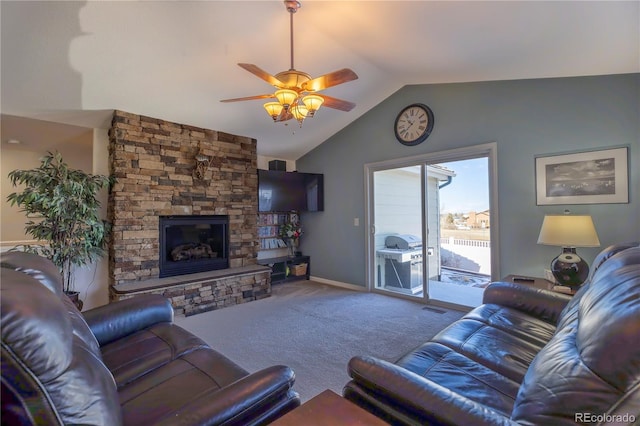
(190,244)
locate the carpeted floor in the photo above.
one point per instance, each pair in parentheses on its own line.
(315,329)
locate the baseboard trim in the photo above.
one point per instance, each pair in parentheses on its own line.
(338,284)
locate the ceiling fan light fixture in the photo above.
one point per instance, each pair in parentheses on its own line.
(312,102)
(286,97)
(293,79)
(299,112)
(295,89)
(273,109)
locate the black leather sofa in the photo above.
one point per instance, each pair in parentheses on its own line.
(526,356)
(122,363)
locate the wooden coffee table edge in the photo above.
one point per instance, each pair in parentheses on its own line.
(329,409)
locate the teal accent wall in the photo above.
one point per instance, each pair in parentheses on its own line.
(526,118)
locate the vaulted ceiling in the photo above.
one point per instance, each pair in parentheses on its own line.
(74,62)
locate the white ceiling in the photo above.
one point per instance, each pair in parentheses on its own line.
(73,62)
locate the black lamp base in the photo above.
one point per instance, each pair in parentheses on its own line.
(569,269)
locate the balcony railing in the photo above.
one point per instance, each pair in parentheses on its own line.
(464,242)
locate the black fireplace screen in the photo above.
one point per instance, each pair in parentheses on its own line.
(190,244)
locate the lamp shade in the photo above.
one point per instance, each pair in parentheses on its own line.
(286,97)
(568,231)
(299,112)
(273,109)
(312,102)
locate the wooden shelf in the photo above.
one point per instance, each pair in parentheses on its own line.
(279,267)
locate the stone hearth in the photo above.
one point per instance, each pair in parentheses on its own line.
(195,293)
(153,161)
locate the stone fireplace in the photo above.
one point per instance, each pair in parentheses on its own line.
(154,162)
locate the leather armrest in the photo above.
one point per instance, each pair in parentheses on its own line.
(427,399)
(540,303)
(239,402)
(119,319)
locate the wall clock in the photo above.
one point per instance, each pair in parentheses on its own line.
(414,124)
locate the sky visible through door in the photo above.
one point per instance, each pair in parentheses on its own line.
(465,238)
(469,189)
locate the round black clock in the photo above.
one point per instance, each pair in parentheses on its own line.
(414,124)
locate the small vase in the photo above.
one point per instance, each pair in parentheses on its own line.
(292,246)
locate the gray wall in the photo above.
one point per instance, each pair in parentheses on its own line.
(526,118)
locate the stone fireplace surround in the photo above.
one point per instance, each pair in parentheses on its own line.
(153,161)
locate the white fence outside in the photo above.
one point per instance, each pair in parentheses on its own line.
(463,242)
(468,255)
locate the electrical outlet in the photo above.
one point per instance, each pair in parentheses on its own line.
(356,221)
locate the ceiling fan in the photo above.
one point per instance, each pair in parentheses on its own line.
(296,92)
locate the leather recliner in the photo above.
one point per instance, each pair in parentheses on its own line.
(526,356)
(122,363)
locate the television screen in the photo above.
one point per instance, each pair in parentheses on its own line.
(279,191)
(286,191)
(314,191)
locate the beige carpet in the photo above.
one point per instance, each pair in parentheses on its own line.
(315,329)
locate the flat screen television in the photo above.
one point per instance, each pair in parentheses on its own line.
(280,191)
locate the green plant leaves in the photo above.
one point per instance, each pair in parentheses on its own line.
(65,210)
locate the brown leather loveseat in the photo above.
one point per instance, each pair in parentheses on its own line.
(526,356)
(122,363)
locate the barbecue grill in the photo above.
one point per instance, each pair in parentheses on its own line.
(403,262)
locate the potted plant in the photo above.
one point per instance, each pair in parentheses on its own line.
(63,211)
(291,232)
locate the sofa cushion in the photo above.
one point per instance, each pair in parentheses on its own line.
(593,361)
(176,383)
(540,303)
(133,356)
(608,252)
(437,363)
(47,274)
(43,357)
(37,267)
(187,392)
(605,262)
(502,352)
(512,321)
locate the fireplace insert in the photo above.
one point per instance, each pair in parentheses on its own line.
(190,244)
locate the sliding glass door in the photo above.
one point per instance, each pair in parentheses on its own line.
(398,229)
(463,223)
(429,218)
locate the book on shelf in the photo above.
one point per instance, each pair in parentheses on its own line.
(272,243)
(267,231)
(276,218)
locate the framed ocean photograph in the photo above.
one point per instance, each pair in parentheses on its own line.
(590,177)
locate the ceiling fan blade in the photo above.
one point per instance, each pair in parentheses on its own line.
(336,103)
(259,72)
(329,80)
(248,98)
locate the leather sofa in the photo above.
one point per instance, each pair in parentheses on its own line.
(122,363)
(525,356)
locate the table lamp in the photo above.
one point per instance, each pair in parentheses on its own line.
(569,231)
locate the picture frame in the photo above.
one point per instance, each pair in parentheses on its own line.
(589,177)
